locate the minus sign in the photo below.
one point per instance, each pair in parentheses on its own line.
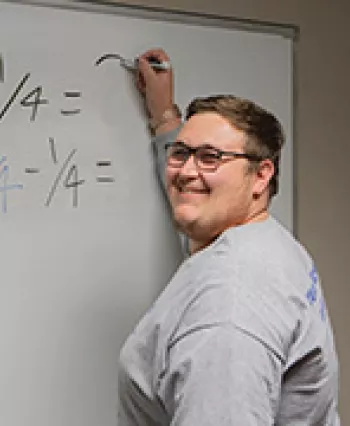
(70,112)
(105,179)
(103,163)
(31,170)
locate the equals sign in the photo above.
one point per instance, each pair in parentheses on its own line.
(71,94)
(104,179)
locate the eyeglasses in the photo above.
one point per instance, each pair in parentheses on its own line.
(206,157)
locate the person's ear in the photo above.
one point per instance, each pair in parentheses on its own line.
(263,174)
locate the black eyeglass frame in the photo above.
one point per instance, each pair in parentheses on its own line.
(219,152)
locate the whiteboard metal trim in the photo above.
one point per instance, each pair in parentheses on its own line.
(155,13)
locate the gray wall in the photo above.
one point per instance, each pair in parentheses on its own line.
(322,140)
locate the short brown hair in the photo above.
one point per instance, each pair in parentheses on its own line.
(265,136)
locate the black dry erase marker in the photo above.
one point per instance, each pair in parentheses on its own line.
(132,64)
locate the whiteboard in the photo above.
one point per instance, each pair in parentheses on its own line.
(86,237)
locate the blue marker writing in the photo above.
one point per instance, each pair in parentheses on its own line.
(4,175)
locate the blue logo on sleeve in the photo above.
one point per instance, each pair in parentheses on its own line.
(312,293)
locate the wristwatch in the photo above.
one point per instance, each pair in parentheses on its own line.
(168,114)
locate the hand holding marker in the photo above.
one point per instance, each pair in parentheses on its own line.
(132,64)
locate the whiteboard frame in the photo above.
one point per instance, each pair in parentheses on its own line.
(159,13)
(289,31)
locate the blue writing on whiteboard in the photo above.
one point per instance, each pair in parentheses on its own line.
(4,186)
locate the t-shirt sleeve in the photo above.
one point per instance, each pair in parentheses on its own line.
(220,375)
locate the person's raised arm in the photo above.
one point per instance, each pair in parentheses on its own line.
(157,89)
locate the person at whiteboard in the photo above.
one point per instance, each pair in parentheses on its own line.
(240,335)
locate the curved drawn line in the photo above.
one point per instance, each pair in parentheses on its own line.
(108,56)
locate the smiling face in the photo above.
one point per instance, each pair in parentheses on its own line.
(205,204)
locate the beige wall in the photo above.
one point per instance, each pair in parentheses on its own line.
(322,144)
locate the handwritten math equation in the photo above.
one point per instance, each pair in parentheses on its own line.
(67,176)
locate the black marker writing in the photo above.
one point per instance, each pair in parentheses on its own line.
(14,95)
(104,179)
(36,95)
(71,94)
(67,183)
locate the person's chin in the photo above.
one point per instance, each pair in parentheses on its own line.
(185,216)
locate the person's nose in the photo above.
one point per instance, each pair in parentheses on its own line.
(189,168)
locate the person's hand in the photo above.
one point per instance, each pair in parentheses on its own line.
(156,86)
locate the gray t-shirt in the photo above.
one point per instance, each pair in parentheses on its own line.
(240,336)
